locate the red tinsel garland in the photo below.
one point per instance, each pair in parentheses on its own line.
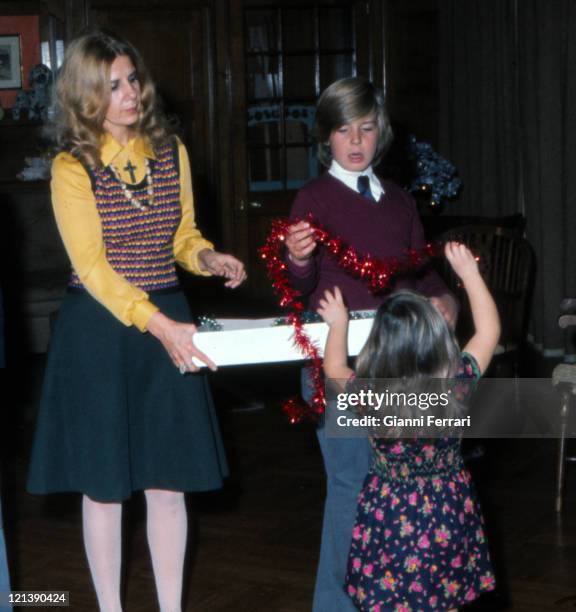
(375,273)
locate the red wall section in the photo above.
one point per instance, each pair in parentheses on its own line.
(28,26)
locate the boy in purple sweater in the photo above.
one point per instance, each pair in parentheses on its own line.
(375,217)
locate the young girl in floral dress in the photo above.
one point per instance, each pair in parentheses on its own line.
(418,542)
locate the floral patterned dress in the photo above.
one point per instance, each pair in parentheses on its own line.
(418,542)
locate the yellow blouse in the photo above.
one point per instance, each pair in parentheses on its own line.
(79,225)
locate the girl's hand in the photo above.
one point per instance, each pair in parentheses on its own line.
(300,242)
(462,260)
(332,308)
(335,313)
(221,264)
(484,311)
(178,340)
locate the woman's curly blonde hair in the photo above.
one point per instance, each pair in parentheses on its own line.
(82,96)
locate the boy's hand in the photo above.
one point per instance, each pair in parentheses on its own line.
(300,242)
(332,308)
(447,307)
(462,260)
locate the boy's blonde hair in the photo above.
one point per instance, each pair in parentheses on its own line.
(347,100)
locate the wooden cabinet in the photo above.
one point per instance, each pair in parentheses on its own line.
(34,267)
(18,140)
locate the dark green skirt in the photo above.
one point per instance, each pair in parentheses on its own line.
(116,415)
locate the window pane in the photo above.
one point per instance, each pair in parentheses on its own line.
(299,120)
(263,79)
(298,30)
(293,51)
(264,124)
(265,169)
(301,166)
(261,30)
(299,79)
(336,28)
(334,67)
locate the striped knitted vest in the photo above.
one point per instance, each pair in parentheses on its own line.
(139,242)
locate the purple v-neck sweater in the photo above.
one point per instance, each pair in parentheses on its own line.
(388,228)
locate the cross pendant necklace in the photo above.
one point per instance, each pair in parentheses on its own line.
(131,170)
(128,193)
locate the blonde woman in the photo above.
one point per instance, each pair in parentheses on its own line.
(123,408)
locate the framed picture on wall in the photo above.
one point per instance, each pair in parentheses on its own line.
(10,62)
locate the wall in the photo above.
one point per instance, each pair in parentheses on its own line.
(412,66)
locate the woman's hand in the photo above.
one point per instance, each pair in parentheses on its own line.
(332,308)
(222,264)
(178,340)
(300,242)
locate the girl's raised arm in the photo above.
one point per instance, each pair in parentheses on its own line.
(484,313)
(335,314)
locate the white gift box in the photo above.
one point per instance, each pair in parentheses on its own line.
(243,341)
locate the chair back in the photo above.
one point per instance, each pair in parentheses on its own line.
(506,262)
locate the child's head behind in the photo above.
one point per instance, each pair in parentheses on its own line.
(409,339)
(345,101)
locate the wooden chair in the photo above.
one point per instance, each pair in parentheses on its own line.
(506,261)
(564,377)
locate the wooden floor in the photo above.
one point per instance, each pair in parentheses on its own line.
(254,546)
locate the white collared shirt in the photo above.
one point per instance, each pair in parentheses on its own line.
(350,179)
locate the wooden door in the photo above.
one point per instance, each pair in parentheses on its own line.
(290,52)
